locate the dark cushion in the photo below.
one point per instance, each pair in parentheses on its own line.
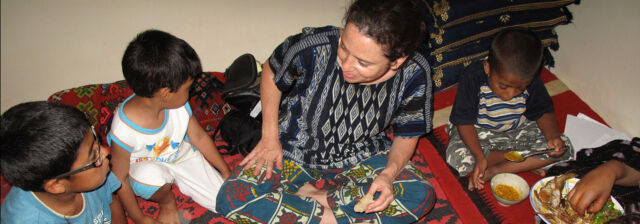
(447,13)
(460,32)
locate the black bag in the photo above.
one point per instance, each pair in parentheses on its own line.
(238,127)
(242,88)
(241,132)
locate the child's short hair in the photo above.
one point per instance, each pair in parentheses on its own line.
(40,140)
(398,26)
(516,50)
(155,60)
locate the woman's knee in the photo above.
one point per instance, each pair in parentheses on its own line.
(235,193)
(421,199)
(224,201)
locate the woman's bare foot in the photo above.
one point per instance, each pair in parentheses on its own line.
(327,216)
(308,190)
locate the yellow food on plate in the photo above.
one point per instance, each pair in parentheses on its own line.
(507,192)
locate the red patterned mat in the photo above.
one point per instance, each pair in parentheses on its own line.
(565,102)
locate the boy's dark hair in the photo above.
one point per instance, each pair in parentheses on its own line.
(155,60)
(397,25)
(516,50)
(40,140)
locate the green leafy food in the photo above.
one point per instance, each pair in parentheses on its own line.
(608,212)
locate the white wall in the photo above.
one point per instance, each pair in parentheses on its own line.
(49,46)
(599,59)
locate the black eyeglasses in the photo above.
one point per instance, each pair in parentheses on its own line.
(97,160)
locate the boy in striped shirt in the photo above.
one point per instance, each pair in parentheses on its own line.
(502,104)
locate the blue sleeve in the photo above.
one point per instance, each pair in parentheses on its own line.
(112,139)
(539,102)
(20,206)
(465,106)
(284,72)
(293,59)
(112,183)
(188,107)
(409,119)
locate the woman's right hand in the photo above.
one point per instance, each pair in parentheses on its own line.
(268,151)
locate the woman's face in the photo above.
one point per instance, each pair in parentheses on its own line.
(362,58)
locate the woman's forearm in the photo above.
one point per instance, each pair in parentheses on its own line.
(401,151)
(270,100)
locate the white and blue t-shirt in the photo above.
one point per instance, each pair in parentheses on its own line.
(161,144)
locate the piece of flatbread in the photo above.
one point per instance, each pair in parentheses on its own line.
(364,202)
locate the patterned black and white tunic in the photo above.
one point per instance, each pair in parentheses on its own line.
(326,122)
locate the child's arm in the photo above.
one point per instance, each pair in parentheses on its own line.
(201,140)
(469,136)
(549,127)
(120,167)
(117,212)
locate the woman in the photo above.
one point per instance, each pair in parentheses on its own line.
(328,94)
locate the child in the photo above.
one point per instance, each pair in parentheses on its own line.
(502,104)
(59,170)
(155,139)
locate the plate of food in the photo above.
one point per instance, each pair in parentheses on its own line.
(548,196)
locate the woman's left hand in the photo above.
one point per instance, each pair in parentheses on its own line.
(383,184)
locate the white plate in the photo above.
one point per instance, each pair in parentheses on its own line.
(568,185)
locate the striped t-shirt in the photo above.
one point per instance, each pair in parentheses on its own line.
(477,105)
(497,114)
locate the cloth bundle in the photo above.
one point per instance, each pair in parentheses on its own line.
(460,32)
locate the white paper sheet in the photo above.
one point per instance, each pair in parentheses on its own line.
(585,132)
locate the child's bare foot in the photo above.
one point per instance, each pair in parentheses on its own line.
(539,172)
(168,213)
(489,173)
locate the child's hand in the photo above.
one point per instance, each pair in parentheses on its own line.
(475,181)
(558,144)
(225,174)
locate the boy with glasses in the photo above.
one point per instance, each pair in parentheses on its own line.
(60,173)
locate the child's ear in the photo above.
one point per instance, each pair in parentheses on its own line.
(55,186)
(395,65)
(487,67)
(163,92)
